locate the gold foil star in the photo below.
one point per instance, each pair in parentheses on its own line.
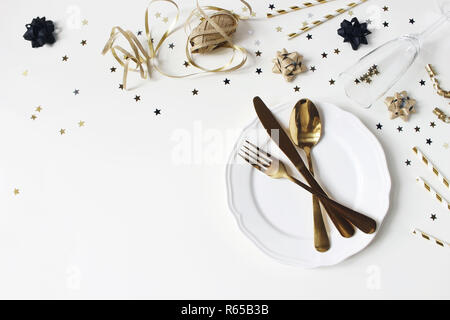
(16,191)
(38,108)
(81,123)
(84,22)
(62,131)
(289,64)
(158,15)
(446,145)
(165,19)
(33,117)
(400,105)
(25,73)
(279,29)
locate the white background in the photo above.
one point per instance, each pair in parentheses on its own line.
(107,210)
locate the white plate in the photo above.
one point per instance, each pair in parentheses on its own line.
(277,214)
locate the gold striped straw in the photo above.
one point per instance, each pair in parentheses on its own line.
(434,193)
(315,23)
(426,236)
(431,167)
(304,5)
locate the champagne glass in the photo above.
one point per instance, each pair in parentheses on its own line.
(391,61)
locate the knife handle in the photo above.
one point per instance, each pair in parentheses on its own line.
(342,225)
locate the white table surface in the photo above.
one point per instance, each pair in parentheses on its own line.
(110,210)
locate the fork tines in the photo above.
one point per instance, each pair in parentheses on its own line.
(254,155)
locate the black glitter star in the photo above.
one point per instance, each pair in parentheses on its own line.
(408,162)
(357,81)
(313,68)
(309,36)
(157,112)
(186,64)
(226,81)
(258,70)
(76,92)
(422,82)
(65,58)
(194,92)
(385,8)
(429,141)
(83,42)
(399,129)
(139,32)
(324,55)
(417,129)
(331,81)
(171,46)
(112,69)
(433,217)
(337,51)
(137,98)
(385,24)
(271,6)
(258,53)
(296,88)
(412,21)
(432,124)
(379,126)
(121,86)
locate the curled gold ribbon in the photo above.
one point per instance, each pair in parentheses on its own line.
(436,86)
(142,58)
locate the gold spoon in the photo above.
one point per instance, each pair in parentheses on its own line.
(306,129)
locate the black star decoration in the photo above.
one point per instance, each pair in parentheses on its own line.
(271,6)
(121,86)
(432,124)
(417,129)
(313,68)
(194,92)
(139,32)
(157,112)
(337,51)
(258,70)
(331,81)
(309,36)
(112,69)
(385,24)
(399,129)
(226,81)
(324,55)
(408,162)
(171,46)
(379,126)
(385,8)
(354,32)
(137,98)
(412,21)
(186,64)
(429,141)
(65,58)
(76,92)
(258,53)
(296,88)
(83,42)
(422,82)
(433,217)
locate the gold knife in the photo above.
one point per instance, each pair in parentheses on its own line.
(340,217)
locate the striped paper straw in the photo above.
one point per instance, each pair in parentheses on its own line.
(426,236)
(304,5)
(325,18)
(434,193)
(431,167)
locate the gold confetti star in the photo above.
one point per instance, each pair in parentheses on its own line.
(25,73)
(33,117)
(81,123)
(84,22)
(62,131)
(38,108)
(165,19)
(446,145)
(279,29)
(253,14)
(244,9)
(158,15)
(305,23)
(16,191)
(350,13)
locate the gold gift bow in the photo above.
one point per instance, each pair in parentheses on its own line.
(142,57)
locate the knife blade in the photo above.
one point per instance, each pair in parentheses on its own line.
(280,137)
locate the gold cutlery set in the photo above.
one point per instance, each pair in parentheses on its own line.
(305,130)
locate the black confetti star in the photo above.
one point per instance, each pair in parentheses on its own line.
(139,32)
(186,64)
(385,8)
(137,98)
(226,81)
(258,53)
(65,58)
(258,70)
(433,217)
(429,141)
(422,82)
(385,24)
(432,124)
(332,82)
(296,88)
(412,21)
(121,86)
(157,112)
(309,36)
(399,128)
(313,68)
(76,91)
(194,92)
(112,69)
(357,81)
(324,55)
(83,42)
(271,6)
(171,46)
(379,126)
(417,129)
(408,162)
(337,51)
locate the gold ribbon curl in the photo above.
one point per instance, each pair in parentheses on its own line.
(143,59)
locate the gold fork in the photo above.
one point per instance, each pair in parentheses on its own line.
(276,169)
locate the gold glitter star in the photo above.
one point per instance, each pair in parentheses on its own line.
(62,131)
(253,14)
(305,23)
(16,191)
(279,29)
(25,73)
(84,22)
(38,108)
(165,19)
(158,15)
(350,13)
(446,145)
(33,117)
(81,123)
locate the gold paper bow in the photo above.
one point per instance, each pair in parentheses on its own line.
(143,58)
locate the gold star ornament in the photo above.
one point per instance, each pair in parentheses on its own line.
(289,64)
(400,105)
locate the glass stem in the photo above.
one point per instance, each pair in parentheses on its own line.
(423,35)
